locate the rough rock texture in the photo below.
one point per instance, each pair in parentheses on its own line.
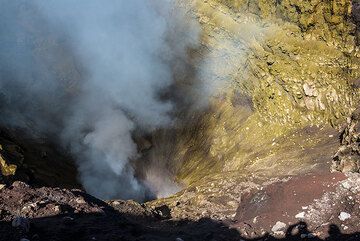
(316,200)
(279,210)
(285,79)
(255,206)
(347,159)
(36,161)
(288,72)
(58,214)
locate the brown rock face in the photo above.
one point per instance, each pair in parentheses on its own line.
(65,215)
(42,214)
(347,159)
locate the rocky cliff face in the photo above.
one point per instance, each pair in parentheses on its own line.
(347,159)
(286,74)
(289,80)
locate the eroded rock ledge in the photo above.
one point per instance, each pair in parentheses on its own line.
(327,206)
(347,159)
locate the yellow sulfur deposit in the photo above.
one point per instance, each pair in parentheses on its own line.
(6,170)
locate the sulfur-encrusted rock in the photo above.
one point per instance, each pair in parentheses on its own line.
(286,74)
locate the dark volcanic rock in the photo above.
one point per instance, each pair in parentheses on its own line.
(60,214)
(43,214)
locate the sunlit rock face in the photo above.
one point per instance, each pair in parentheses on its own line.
(281,79)
(285,80)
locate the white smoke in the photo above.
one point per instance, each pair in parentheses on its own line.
(122,57)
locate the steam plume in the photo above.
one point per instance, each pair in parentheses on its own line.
(91,73)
